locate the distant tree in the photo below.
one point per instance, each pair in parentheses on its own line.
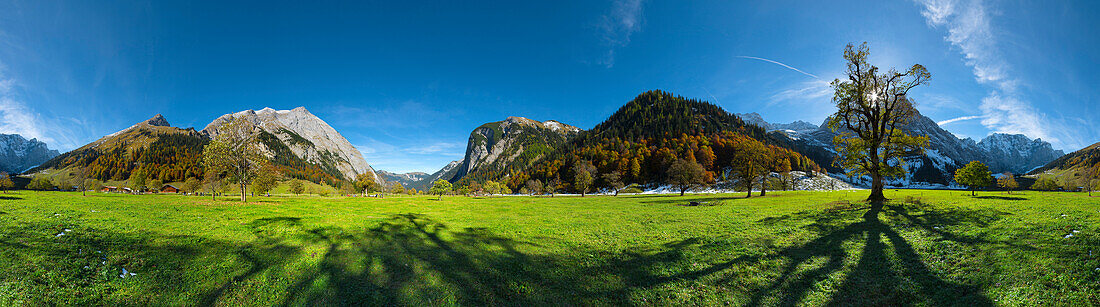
(871,110)
(583,176)
(684,175)
(491,187)
(749,162)
(614,181)
(411,191)
(534,186)
(553,185)
(137,180)
(974,175)
(234,151)
(505,190)
(296,187)
(348,188)
(783,167)
(192,185)
(79,174)
(1045,183)
(5,182)
(366,183)
(440,187)
(265,181)
(1008,182)
(92,184)
(1092,178)
(155,185)
(214,182)
(397,188)
(465,190)
(40,183)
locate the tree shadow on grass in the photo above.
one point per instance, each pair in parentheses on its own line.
(889,270)
(7,197)
(1000,197)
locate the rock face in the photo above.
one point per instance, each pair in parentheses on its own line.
(497,145)
(945,152)
(18,154)
(307,136)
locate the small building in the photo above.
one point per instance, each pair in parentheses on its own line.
(109,189)
(126,190)
(168,188)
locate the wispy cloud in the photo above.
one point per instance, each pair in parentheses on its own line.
(780,64)
(618,25)
(17,118)
(813,90)
(1004,109)
(958,119)
(428,158)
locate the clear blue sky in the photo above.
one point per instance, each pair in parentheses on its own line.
(406,81)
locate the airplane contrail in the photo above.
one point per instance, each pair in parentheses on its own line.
(780,64)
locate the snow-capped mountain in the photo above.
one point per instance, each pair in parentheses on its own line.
(307,136)
(446,172)
(17,154)
(405,179)
(945,152)
(794,127)
(496,145)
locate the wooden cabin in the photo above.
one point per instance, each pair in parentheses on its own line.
(168,188)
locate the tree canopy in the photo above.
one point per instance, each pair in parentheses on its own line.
(974,175)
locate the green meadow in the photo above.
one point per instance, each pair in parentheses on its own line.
(815,248)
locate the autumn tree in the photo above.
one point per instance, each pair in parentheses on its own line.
(440,187)
(92,184)
(534,186)
(749,162)
(553,185)
(583,176)
(137,180)
(614,181)
(1092,178)
(80,173)
(365,183)
(974,175)
(155,185)
(296,187)
(5,182)
(1045,183)
(192,185)
(265,181)
(397,188)
(1007,182)
(872,108)
(491,187)
(235,152)
(684,175)
(214,182)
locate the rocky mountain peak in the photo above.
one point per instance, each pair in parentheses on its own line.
(158,120)
(18,154)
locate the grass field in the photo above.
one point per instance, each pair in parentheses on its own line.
(923,248)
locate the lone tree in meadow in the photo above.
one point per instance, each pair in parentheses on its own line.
(440,187)
(80,174)
(749,162)
(5,182)
(684,175)
(365,183)
(584,174)
(265,181)
(553,185)
(1092,178)
(213,182)
(871,110)
(614,181)
(1007,182)
(296,187)
(235,152)
(534,186)
(192,185)
(974,175)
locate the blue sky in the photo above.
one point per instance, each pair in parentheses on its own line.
(406,81)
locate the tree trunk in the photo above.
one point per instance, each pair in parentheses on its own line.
(682,191)
(972,191)
(749,188)
(876,188)
(764,186)
(244,194)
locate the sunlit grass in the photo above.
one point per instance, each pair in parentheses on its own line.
(925,247)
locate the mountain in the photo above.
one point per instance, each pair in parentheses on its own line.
(1016,153)
(1074,161)
(425,182)
(945,152)
(18,154)
(151,147)
(510,145)
(794,127)
(647,134)
(405,179)
(297,134)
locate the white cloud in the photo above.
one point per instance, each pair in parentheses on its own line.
(1004,109)
(813,90)
(941,123)
(618,25)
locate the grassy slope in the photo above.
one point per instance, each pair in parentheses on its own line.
(939,248)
